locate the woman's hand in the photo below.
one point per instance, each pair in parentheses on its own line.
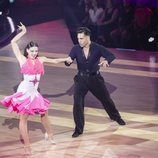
(22,27)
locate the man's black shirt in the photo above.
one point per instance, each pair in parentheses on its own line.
(90,64)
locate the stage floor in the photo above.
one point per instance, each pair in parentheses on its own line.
(132,80)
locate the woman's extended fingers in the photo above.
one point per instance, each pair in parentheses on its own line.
(21,26)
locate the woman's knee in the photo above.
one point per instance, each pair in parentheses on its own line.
(23,118)
(44,115)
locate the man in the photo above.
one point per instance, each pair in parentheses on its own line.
(87,55)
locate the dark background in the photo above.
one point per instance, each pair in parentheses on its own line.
(32,12)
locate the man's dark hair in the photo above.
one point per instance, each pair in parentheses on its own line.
(84,30)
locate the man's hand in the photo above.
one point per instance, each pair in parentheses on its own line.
(68,61)
(104,63)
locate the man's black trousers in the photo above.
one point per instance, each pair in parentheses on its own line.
(96,85)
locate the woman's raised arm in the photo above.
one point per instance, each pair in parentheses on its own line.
(20,57)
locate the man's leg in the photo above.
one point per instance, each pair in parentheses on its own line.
(100,91)
(80,90)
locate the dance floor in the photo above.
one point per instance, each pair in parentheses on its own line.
(132,80)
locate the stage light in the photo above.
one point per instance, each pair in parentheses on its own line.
(11,1)
(151,39)
(11,23)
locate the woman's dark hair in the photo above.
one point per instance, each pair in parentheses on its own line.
(84,30)
(29,45)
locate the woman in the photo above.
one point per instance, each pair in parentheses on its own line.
(27,100)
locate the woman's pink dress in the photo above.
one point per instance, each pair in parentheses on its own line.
(27,100)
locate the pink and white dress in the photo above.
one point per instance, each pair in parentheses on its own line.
(27,99)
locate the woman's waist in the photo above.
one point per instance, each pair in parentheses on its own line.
(31,78)
(34,81)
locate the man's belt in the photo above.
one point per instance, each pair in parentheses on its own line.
(84,73)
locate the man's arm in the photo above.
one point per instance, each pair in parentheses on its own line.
(106,54)
(72,56)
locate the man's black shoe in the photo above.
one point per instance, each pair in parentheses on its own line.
(76,134)
(120,121)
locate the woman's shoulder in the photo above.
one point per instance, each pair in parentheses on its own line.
(23,60)
(42,59)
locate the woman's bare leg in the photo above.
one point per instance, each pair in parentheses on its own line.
(24,133)
(23,129)
(46,123)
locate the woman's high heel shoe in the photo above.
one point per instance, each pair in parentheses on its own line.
(27,150)
(50,140)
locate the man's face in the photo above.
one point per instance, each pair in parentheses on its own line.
(82,39)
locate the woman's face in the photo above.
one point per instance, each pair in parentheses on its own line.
(32,52)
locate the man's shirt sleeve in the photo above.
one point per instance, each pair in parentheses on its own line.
(107,54)
(73,53)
